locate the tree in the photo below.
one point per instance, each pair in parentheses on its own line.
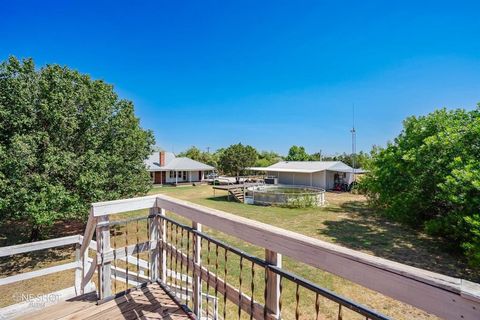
(429,176)
(65,141)
(267,158)
(361,159)
(297,153)
(195,153)
(234,159)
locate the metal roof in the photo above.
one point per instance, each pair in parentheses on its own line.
(173,163)
(305,166)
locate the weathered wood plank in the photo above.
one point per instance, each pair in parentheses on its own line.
(272,302)
(105,271)
(124,205)
(154,228)
(54,305)
(38,273)
(38,245)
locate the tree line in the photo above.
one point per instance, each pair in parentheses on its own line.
(234,159)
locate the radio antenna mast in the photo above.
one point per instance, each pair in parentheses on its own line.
(354,142)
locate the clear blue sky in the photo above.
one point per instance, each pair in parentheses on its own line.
(269,74)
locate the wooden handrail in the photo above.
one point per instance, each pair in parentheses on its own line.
(445,296)
(38,245)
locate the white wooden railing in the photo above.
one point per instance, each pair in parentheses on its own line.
(444,296)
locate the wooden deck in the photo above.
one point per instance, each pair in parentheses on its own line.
(150,302)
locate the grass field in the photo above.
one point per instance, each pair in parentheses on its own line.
(346,220)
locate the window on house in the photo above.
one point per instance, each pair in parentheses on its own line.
(171,175)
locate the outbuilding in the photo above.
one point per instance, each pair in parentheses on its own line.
(321,174)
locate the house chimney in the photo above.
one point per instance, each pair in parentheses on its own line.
(162,158)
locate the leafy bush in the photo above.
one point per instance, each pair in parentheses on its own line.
(430,177)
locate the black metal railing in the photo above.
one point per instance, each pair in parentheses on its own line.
(251,291)
(214,279)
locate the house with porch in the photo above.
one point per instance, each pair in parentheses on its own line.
(166,168)
(322,174)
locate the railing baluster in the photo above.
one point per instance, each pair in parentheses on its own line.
(240,289)
(340,316)
(149,274)
(265,292)
(208,277)
(225,286)
(171,254)
(126,254)
(280,297)
(115,258)
(197,280)
(188,263)
(216,282)
(163,252)
(176,260)
(138,253)
(297,303)
(317,306)
(252,285)
(181,261)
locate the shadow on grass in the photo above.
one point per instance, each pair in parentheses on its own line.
(18,232)
(220,199)
(366,231)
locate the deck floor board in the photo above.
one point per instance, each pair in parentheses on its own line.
(150,302)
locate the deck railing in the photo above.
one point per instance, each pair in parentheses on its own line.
(214,279)
(194,266)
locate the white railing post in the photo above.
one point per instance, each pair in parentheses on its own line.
(163,252)
(197,279)
(154,225)
(272,302)
(78,270)
(105,271)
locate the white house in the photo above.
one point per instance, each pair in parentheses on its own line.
(166,168)
(321,174)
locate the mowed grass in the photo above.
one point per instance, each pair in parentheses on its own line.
(346,220)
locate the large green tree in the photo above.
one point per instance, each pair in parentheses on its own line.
(237,157)
(297,153)
(430,176)
(65,141)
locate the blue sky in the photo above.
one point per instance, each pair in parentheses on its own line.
(266,73)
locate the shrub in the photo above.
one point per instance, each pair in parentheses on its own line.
(429,176)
